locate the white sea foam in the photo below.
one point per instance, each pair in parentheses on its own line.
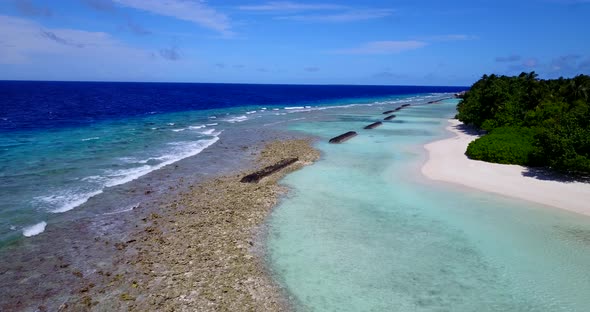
(196,127)
(117,177)
(208,131)
(66,200)
(96,178)
(275,109)
(237,119)
(212,117)
(171,124)
(300,109)
(13,228)
(250,112)
(35,229)
(212,124)
(145,161)
(178,151)
(178,130)
(128,160)
(90,139)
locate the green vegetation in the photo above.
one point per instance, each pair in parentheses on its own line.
(530,121)
(505,145)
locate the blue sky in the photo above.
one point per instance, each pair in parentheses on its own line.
(420,42)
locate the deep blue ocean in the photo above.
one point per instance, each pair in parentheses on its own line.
(33,105)
(61,143)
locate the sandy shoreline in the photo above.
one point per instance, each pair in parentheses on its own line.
(447,162)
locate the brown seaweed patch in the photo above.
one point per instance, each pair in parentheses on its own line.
(579,235)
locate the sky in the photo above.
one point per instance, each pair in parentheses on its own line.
(377,42)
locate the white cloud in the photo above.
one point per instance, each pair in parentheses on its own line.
(196,12)
(565,63)
(385,47)
(348,16)
(24,41)
(530,63)
(336,12)
(508,59)
(289,6)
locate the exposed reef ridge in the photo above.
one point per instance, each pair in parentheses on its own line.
(203,251)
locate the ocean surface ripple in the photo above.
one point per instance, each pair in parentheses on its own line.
(64,143)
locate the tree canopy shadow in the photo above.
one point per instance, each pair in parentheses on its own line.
(469,129)
(547,174)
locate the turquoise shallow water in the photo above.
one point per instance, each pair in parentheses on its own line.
(362,230)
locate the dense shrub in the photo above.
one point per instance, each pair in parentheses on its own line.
(531,121)
(507,145)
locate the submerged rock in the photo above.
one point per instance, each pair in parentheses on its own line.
(343,137)
(266,171)
(373,125)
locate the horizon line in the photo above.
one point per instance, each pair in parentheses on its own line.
(237,83)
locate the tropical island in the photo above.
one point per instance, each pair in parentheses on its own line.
(530,122)
(520,137)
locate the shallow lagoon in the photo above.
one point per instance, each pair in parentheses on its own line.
(362,230)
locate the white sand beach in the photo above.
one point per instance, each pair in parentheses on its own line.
(448,162)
